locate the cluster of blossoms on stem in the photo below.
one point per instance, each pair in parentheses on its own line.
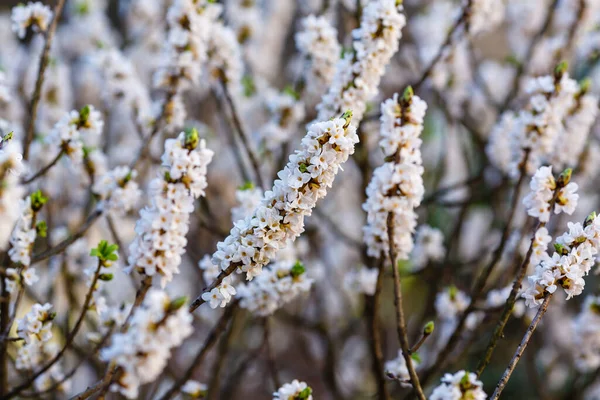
(450,303)
(35,328)
(279,218)
(586,335)
(496,298)
(157,326)
(295,390)
(189,23)
(541,240)
(317,42)
(244,16)
(358,73)
(573,259)
(118,190)
(363,280)
(248,198)
(429,247)
(76,129)
(160,232)
(279,284)
(285,114)
(225,58)
(535,129)
(461,385)
(22,239)
(397,185)
(545,189)
(11,190)
(36,16)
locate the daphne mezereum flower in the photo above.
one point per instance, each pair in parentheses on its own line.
(189,30)
(396,369)
(358,74)
(36,16)
(461,385)
(244,16)
(285,114)
(429,246)
(485,15)
(118,190)
(363,280)
(11,166)
(543,187)
(317,42)
(573,259)
(74,130)
(279,218)
(160,232)
(536,128)
(397,185)
(293,390)
(142,352)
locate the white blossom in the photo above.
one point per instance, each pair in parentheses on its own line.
(33,15)
(291,391)
(461,385)
(429,247)
(362,280)
(543,186)
(11,166)
(118,189)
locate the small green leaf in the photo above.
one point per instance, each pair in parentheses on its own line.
(177,303)
(428,329)
(38,200)
(297,270)
(416,357)
(105,277)
(41,229)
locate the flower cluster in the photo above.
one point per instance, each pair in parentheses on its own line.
(189,24)
(461,385)
(496,298)
(160,232)
(294,390)
(541,240)
(244,16)
(363,280)
(397,185)
(248,198)
(36,16)
(279,218)
(536,129)
(282,282)
(35,328)
(429,246)
(317,42)
(69,133)
(194,389)
(544,188)
(225,58)
(118,190)
(285,114)
(11,190)
(157,326)
(575,255)
(359,72)
(26,229)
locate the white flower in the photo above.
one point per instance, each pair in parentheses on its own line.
(359,72)
(364,280)
(290,391)
(279,218)
(194,389)
(450,303)
(33,15)
(118,190)
(485,15)
(429,246)
(543,187)
(396,369)
(397,186)
(11,166)
(586,335)
(461,385)
(143,350)
(23,235)
(160,232)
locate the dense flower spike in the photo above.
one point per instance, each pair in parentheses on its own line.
(429,247)
(157,326)
(317,42)
(36,16)
(397,185)
(118,189)
(254,241)
(359,72)
(11,190)
(396,369)
(573,259)
(543,187)
(461,385)
(161,229)
(294,390)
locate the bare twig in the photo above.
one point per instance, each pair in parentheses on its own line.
(519,352)
(37,92)
(45,169)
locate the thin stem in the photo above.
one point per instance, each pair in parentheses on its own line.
(45,169)
(209,342)
(199,300)
(519,352)
(401,325)
(243,136)
(372,317)
(92,390)
(68,341)
(37,92)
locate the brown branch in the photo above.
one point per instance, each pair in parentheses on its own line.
(401,324)
(37,93)
(519,352)
(45,169)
